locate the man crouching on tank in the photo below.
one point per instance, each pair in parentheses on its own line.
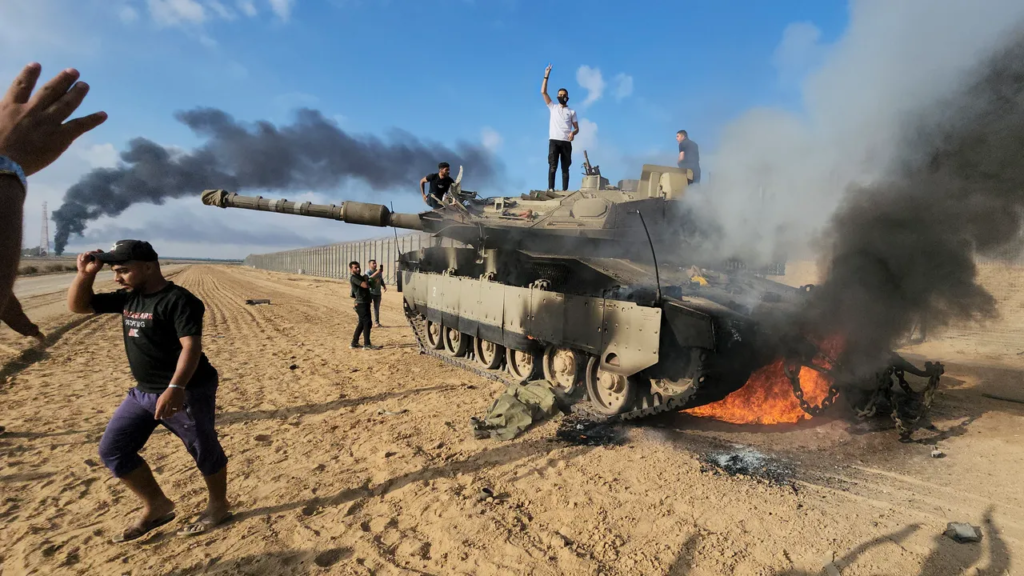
(176,385)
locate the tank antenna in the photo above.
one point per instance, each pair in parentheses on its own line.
(398,249)
(657,275)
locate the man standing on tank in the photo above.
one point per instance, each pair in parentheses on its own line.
(689,155)
(361,294)
(440,182)
(562,129)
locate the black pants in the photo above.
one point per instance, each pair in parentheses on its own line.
(375,298)
(363,310)
(559,149)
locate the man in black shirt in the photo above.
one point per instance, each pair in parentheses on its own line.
(361,294)
(689,155)
(176,385)
(439,182)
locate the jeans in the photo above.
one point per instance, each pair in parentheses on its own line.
(559,150)
(363,311)
(375,298)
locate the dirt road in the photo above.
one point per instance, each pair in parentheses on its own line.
(27,286)
(328,475)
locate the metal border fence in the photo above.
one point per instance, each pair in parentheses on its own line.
(331,260)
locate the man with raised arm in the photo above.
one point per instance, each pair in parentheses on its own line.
(562,129)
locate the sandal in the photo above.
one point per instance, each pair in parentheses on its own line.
(200,526)
(136,532)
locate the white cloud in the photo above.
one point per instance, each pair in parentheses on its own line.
(221,10)
(174,12)
(586,139)
(100,155)
(283,8)
(623,86)
(591,81)
(798,52)
(247,7)
(128,14)
(490,138)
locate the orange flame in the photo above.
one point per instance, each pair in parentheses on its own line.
(767,397)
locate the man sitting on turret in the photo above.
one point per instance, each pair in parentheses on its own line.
(440,182)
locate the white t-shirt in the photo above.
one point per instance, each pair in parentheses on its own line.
(562,117)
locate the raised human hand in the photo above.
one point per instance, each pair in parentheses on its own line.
(32,128)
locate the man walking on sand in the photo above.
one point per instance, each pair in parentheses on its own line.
(562,129)
(376,283)
(175,383)
(361,294)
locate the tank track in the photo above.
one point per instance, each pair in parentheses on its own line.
(651,404)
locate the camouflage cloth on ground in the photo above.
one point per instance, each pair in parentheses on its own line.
(516,409)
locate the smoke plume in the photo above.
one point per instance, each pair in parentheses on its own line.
(906,162)
(312,154)
(902,250)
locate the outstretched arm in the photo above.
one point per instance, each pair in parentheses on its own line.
(33,133)
(544,86)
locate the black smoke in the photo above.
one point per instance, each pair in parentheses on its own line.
(903,250)
(312,154)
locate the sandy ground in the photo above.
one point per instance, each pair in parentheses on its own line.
(323,482)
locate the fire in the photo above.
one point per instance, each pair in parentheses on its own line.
(767,397)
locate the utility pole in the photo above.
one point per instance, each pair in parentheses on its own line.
(44,241)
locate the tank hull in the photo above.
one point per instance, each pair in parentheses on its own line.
(621,358)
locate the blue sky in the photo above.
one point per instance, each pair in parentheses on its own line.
(442,70)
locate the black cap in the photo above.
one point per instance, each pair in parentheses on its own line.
(125,250)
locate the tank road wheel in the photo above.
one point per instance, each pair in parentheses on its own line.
(455,343)
(563,367)
(521,365)
(434,331)
(609,393)
(488,354)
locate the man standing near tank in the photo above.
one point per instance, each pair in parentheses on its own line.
(361,294)
(689,155)
(562,129)
(376,281)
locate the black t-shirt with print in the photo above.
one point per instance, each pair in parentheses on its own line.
(153,324)
(438,185)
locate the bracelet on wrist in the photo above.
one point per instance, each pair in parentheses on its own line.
(175,386)
(9,167)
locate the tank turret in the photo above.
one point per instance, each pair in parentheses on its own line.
(595,220)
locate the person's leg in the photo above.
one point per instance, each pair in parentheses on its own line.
(367,324)
(126,433)
(566,155)
(552,162)
(376,309)
(195,426)
(359,326)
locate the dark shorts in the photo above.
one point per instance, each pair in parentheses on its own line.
(132,424)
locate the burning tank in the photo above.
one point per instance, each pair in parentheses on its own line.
(603,291)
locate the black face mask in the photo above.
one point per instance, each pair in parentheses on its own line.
(563,99)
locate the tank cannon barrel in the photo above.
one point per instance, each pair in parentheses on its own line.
(350,212)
